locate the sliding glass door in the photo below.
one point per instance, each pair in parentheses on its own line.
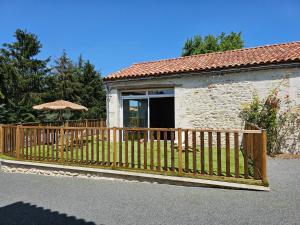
(137,105)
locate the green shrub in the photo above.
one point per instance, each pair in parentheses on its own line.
(274,114)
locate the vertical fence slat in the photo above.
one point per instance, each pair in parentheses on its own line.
(194,152)
(158,151)
(120,148)
(255,155)
(210,153)
(202,158)
(18,147)
(186,150)
(103,146)
(53,145)
(87,145)
(108,147)
(126,148)
(72,146)
(179,151)
(81,145)
(227,154)
(57,144)
(21,142)
(264,157)
(145,149)
(151,150)
(31,144)
(48,144)
(97,146)
(27,142)
(114,147)
(67,144)
(245,148)
(132,148)
(44,143)
(165,150)
(1,139)
(39,143)
(92,146)
(139,149)
(236,155)
(219,159)
(62,144)
(76,146)
(172,151)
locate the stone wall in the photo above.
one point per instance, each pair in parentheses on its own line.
(213,101)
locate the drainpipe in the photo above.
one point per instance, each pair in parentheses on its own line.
(107,103)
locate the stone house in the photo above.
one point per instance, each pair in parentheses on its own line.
(201,91)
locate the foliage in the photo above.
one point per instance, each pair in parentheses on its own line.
(27,81)
(288,134)
(92,96)
(274,114)
(21,77)
(198,45)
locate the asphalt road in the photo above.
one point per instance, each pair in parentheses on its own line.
(37,199)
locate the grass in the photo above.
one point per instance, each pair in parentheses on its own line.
(54,155)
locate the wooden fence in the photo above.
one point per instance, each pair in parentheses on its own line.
(230,153)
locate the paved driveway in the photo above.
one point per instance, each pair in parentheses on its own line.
(55,200)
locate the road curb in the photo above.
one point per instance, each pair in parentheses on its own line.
(128,175)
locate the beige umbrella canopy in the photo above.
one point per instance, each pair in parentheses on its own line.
(60,105)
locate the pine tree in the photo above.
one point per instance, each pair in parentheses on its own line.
(92,94)
(66,86)
(22,77)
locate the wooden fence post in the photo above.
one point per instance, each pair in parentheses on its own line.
(1,139)
(114,146)
(179,151)
(18,142)
(264,157)
(61,142)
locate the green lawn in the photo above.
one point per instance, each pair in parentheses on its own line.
(81,154)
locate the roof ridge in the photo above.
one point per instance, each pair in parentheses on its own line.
(214,53)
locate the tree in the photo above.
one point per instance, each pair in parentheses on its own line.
(26,80)
(21,75)
(67,85)
(92,91)
(210,43)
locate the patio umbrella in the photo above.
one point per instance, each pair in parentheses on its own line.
(60,105)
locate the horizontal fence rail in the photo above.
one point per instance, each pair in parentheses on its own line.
(214,152)
(71,123)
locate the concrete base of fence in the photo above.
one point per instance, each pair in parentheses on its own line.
(127,175)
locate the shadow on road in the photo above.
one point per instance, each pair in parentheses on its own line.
(20,213)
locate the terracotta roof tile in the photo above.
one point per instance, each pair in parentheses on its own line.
(263,55)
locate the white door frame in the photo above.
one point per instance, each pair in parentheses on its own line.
(146,96)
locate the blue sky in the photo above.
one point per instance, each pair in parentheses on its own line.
(115,34)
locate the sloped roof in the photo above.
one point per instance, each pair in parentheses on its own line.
(263,55)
